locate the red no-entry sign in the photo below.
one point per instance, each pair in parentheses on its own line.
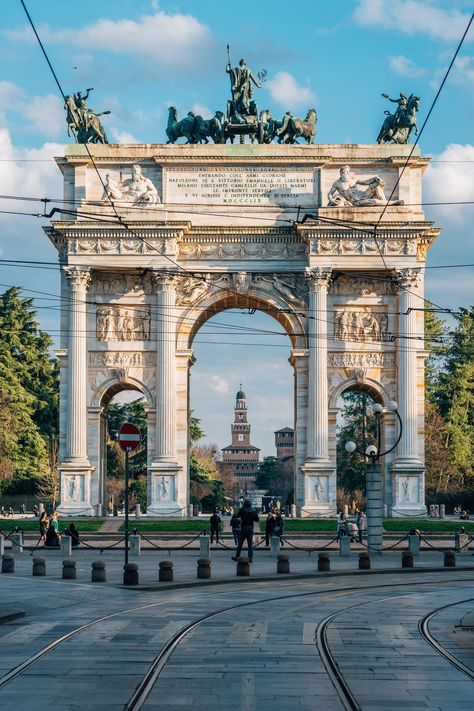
(129,437)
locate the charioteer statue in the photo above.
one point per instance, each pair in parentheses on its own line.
(82,121)
(398,126)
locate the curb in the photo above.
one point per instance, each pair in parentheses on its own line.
(291,576)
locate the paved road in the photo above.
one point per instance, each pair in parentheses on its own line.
(242,658)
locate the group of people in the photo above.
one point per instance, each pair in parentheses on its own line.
(353,529)
(49,532)
(6,512)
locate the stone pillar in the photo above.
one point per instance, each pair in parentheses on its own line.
(407,468)
(163,473)
(76,469)
(318,470)
(299,361)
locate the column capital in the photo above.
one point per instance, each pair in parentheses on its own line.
(318,278)
(78,278)
(164,281)
(408,278)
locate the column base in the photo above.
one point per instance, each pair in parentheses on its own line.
(408,489)
(74,481)
(163,490)
(319,489)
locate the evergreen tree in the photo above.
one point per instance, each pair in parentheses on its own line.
(276,477)
(135,413)
(357,426)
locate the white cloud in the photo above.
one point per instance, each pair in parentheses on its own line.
(413,17)
(175,40)
(119,136)
(219,385)
(10,94)
(45,114)
(202,110)
(452,180)
(405,67)
(286,91)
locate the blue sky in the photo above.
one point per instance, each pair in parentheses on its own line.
(142,56)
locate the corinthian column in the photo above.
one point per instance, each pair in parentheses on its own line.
(167,491)
(407,450)
(165,449)
(76,431)
(318,283)
(318,493)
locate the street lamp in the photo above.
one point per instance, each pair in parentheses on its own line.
(373,478)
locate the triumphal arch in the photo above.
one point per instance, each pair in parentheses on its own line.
(165,236)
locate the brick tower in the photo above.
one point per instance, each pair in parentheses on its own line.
(241,457)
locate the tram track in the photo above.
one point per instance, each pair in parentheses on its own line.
(147,683)
(424,630)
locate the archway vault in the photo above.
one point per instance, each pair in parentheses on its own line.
(370,386)
(112,386)
(196,316)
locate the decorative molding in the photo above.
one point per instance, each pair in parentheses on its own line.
(318,279)
(122,359)
(409,278)
(123,323)
(78,278)
(357,244)
(164,281)
(361,360)
(242,249)
(112,283)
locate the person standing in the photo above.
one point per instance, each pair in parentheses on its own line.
(43,526)
(361,525)
(279,527)
(235,524)
(215,522)
(248,517)
(269,528)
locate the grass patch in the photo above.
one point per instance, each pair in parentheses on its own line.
(31,524)
(168,526)
(306,525)
(431,526)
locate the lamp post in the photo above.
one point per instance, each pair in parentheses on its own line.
(373,478)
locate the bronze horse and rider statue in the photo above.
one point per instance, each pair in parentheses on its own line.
(82,121)
(398,126)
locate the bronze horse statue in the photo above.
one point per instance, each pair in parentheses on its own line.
(394,131)
(292,128)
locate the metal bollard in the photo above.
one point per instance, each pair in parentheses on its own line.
(364,561)
(98,572)
(166,571)
(442,511)
(17,542)
(243,566)
(449,559)
(39,566)
(283,563)
(204,547)
(407,559)
(464,544)
(130,574)
(293,510)
(69,569)
(414,545)
(66,545)
(344,546)
(274,545)
(2,544)
(324,562)
(8,563)
(138,511)
(135,544)
(204,568)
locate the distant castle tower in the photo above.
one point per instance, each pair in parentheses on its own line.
(241,457)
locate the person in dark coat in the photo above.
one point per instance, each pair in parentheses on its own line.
(52,537)
(215,522)
(269,528)
(72,531)
(235,524)
(248,517)
(279,527)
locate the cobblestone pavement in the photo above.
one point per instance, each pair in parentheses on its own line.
(241,658)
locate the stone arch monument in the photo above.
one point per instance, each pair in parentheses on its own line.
(204,228)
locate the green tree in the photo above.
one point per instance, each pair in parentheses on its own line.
(357,426)
(276,477)
(436,332)
(135,413)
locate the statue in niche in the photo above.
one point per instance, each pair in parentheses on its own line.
(406,493)
(137,189)
(319,493)
(164,488)
(344,193)
(397,127)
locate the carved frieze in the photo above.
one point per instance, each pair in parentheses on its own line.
(113,283)
(122,359)
(363,285)
(120,245)
(242,250)
(363,245)
(360,325)
(122,323)
(361,360)
(136,190)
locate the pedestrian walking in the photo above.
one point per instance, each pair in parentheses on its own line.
(215,522)
(248,517)
(269,528)
(52,534)
(43,527)
(279,527)
(341,526)
(235,524)
(361,525)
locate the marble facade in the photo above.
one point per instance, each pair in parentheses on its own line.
(215,227)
